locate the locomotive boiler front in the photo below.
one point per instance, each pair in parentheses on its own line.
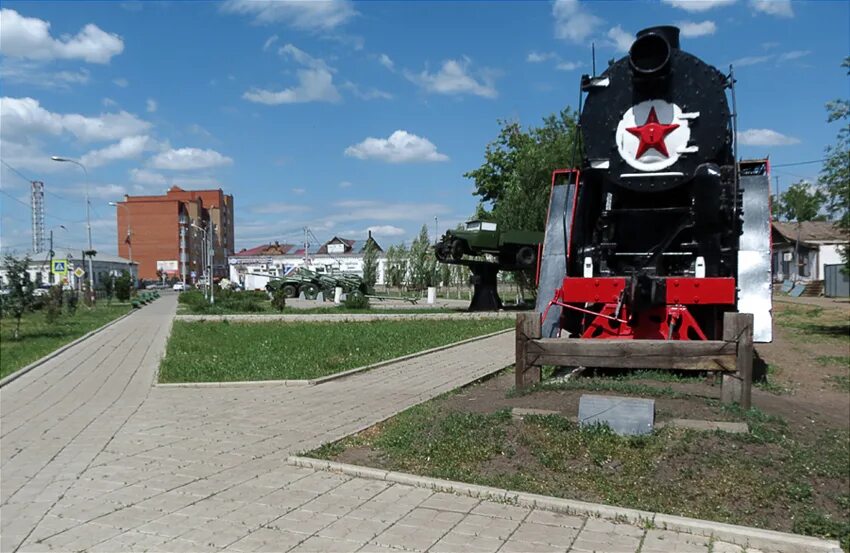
(657,197)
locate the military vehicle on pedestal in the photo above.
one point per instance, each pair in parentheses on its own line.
(515,249)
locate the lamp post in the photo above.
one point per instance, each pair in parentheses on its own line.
(203,259)
(208,265)
(88,216)
(129,239)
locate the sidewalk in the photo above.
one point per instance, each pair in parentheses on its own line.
(94,458)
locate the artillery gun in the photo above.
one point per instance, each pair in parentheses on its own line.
(310,283)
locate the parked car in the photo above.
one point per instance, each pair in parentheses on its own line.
(41,291)
(180,287)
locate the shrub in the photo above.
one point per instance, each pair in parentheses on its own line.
(279,299)
(53,304)
(356,300)
(107,282)
(123,286)
(71,301)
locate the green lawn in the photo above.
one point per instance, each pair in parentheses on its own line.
(39,338)
(227,352)
(266,309)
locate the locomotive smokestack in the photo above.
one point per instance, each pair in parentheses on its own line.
(649,55)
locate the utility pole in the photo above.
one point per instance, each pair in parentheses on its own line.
(50,253)
(210,259)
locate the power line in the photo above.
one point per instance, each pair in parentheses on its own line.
(799,163)
(14,198)
(16,171)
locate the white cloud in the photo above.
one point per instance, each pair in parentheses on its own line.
(620,39)
(765,137)
(386,230)
(106,192)
(368,210)
(540,57)
(33,74)
(279,207)
(794,55)
(692,29)
(345,184)
(299,191)
(143,176)
(315,83)
(369,94)
(386,61)
(568,65)
(750,60)
(184,159)
(269,41)
(151,105)
(779,8)
(122,82)
(23,117)
(400,147)
(109,103)
(29,38)
(127,148)
(454,78)
(698,5)
(317,15)
(572,21)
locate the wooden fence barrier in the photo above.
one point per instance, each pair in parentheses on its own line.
(732,356)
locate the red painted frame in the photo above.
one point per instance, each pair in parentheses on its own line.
(680,290)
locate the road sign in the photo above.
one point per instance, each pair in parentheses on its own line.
(79,272)
(59,267)
(193,274)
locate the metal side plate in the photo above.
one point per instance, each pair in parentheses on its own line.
(755,285)
(553,265)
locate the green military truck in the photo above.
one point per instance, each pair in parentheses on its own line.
(513,248)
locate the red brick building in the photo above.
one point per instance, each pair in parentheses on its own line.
(162,231)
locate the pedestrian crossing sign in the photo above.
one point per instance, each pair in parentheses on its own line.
(59,267)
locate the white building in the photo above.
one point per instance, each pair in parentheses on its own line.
(253,268)
(820,243)
(39,267)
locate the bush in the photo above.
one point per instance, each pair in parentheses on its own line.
(279,299)
(71,302)
(53,304)
(356,300)
(123,286)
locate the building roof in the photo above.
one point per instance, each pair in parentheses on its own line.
(810,231)
(351,246)
(77,255)
(265,249)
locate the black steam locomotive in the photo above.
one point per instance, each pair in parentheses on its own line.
(653,220)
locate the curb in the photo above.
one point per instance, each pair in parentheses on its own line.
(341,318)
(739,535)
(330,377)
(24,370)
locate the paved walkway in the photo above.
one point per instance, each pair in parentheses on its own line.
(94,458)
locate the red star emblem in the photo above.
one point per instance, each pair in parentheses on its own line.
(651,134)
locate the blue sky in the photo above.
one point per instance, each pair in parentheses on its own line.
(348,116)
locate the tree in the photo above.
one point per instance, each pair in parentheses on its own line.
(20,296)
(53,304)
(835,173)
(515,178)
(396,265)
(370,265)
(107,282)
(123,286)
(801,202)
(422,261)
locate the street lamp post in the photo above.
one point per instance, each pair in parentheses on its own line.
(88,216)
(129,238)
(208,282)
(203,259)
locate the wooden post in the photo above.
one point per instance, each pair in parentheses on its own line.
(527,328)
(738,386)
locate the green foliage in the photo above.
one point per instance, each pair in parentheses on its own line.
(71,302)
(107,283)
(356,300)
(20,288)
(422,262)
(123,286)
(801,202)
(835,173)
(514,181)
(53,304)
(396,272)
(279,298)
(370,265)
(219,352)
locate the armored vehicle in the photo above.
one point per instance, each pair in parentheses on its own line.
(514,248)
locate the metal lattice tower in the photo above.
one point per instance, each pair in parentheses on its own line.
(37,202)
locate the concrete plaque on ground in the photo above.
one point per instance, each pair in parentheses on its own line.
(625,415)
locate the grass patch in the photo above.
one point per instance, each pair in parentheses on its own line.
(769,384)
(814,324)
(39,338)
(227,352)
(833,360)
(620,384)
(840,381)
(767,478)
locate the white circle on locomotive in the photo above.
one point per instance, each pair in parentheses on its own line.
(675,141)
